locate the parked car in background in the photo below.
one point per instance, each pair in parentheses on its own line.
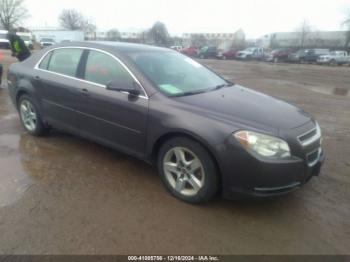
(229,54)
(334,58)
(45,42)
(189,51)
(176,48)
(278,55)
(297,56)
(313,54)
(251,53)
(208,52)
(204,134)
(307,55)
(4,42)
(27,38)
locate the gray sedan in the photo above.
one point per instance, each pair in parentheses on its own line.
(205,134)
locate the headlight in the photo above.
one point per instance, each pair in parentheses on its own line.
(264,145)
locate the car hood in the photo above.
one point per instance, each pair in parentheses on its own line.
(238,104)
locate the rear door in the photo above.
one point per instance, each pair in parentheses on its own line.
(59,88)
(112,117)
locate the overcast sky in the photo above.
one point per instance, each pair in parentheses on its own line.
(255,17)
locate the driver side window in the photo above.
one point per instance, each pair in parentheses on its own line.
(101,68)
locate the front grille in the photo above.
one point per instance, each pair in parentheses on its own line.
(308,140)
(313,157)
(307,136)
(310,137)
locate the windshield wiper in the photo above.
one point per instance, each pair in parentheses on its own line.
(228,84)
(189,93)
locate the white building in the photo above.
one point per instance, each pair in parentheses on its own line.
(318,39)
(58,35)
(126,33)
(220,40)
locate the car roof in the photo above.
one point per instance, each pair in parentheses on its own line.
(112,46)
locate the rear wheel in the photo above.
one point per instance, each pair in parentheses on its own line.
(30,116)
(187,170)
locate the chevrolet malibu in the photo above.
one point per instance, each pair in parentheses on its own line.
(206,135)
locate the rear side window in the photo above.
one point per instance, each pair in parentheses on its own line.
(102,68)
(65,61)
(45,62)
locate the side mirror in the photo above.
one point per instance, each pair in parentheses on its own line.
(121,85)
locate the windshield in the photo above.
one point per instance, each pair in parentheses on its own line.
(251,49)
(25,37)
(204,49)
(46,40)
(175,74)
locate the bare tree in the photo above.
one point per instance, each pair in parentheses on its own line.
(71,19)
(87,25)
(346,23)
(198,40)
(113,35)
(304,31)
(159,34)
(12,13)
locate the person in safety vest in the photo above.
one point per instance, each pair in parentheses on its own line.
(18,47)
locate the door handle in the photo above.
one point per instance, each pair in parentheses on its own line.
(37,78)
(85,92)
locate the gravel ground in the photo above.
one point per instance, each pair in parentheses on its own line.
(64,195)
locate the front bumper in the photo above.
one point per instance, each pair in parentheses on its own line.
(322,61)
(246,175)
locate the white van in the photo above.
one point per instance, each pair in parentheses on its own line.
(27,38)
(4,42)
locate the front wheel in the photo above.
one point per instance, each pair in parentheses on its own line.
(187,170)
(30,116)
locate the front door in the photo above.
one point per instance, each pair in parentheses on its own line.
(111,117)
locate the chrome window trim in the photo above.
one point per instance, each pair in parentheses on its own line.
(312,139)
(36,67)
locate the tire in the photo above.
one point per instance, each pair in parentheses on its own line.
(179,178)
(332,62)
(30,116)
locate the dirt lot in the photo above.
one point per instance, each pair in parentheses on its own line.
(64,195)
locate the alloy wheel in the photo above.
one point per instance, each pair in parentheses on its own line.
(184,171)
(28,115)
